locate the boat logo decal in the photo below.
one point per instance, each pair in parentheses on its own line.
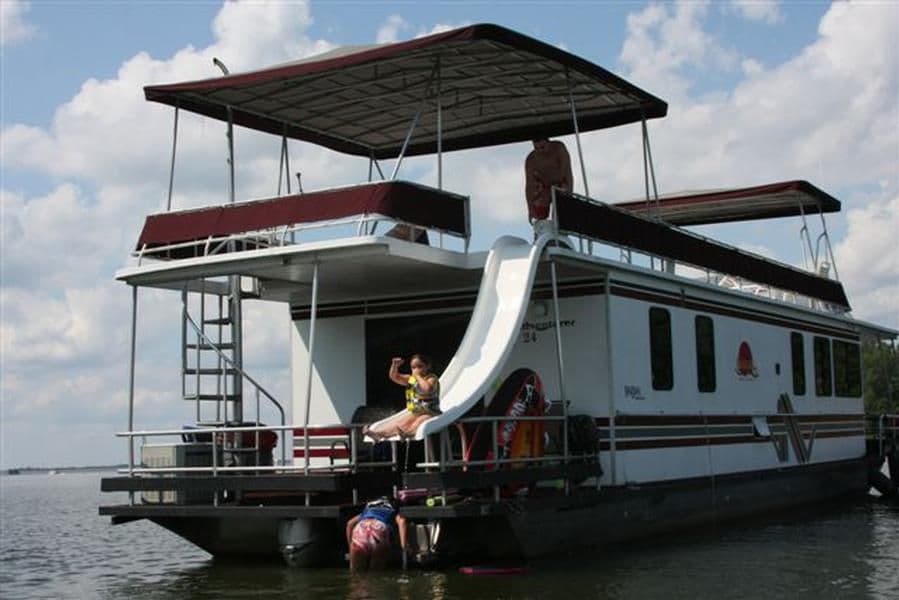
(530,329)
(746,367)
(633,392)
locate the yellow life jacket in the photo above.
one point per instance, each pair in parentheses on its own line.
(418,400)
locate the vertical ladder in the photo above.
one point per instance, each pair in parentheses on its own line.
(206,378)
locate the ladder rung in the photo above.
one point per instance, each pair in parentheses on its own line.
(222,321)
(210,371)
(204,346)
(212,397)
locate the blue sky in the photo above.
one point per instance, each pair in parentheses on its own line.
(758,92)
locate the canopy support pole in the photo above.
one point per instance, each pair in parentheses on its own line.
(172,169)
(439,131)
(421,106)
(826,236)
(649,172)
(648,168)
(577,135)
(284,165)
(810,260)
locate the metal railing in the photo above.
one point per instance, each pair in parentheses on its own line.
(220,437)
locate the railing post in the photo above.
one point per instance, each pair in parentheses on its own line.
(559,362)
(493,429)
(131,387)
(312,317)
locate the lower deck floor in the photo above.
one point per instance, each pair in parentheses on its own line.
(525,519)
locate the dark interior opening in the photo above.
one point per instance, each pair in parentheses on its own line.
(437,336)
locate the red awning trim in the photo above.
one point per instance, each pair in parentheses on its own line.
(615,226)
(782,199)
(399,200)
(496,86)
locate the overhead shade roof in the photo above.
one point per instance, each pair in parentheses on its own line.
(495,86)
(783,199)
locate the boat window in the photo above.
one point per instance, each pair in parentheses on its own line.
(705,354)
(797,346)
(823,386)
(660,349)
(847,373)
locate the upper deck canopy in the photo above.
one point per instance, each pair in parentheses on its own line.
(784,199)
(492,86)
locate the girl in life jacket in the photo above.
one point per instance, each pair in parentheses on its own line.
(370,535)
(422,398)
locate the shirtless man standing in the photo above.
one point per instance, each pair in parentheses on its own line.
(546,166)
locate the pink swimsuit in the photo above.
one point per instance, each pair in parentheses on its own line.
(370,534)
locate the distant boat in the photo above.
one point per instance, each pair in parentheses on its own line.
(13,472)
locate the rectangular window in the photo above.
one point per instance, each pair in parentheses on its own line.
(797,346)
(660,349)
(705,354)
(823,385)
(847,375)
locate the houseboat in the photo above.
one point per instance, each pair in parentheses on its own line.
(614,376)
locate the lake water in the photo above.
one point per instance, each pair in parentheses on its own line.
(54,545)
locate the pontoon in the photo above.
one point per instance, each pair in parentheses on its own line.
(615,376)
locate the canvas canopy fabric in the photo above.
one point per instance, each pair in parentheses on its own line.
(619,227)
(484,84)
(400,200)
(782,199)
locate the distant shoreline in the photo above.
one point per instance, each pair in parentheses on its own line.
(57,470)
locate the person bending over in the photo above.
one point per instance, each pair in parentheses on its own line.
(370,535)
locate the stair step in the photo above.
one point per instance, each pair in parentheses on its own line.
(210,371)
(204,346)
(212,397)
(222,321)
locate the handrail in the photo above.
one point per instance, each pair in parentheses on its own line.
(243,373)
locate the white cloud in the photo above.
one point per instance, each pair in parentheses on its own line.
(663,39)
(868,260)
(13,26)
(391,29)
(759,10)
(830,115)
(65,323)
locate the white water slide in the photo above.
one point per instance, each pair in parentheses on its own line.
(498,312)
